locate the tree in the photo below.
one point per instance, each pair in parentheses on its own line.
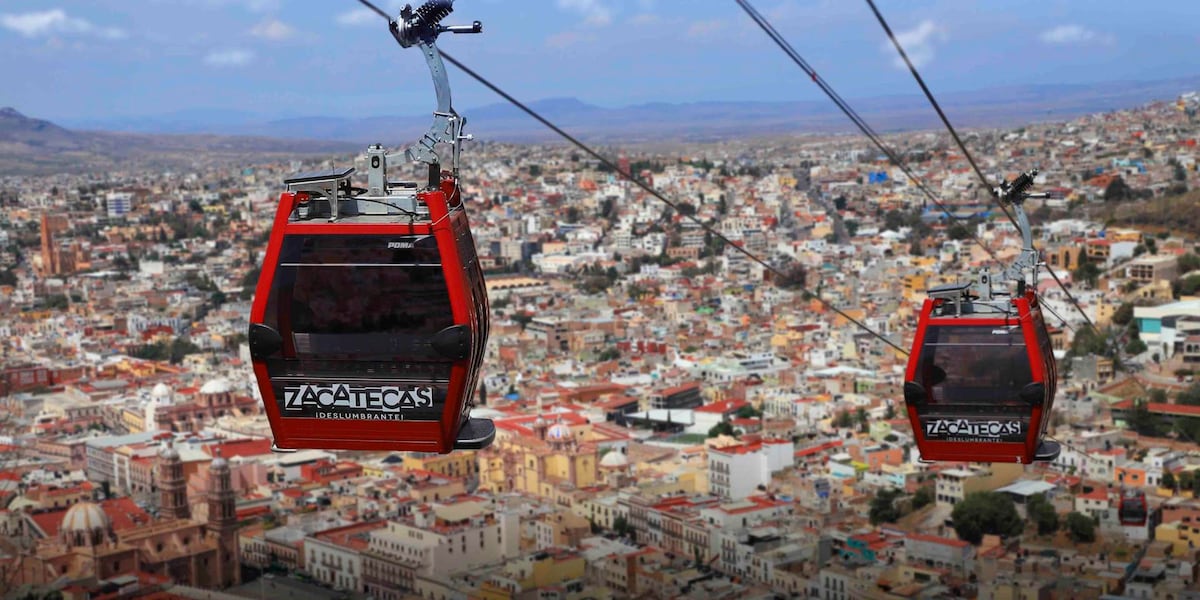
(621,526)
(958,231)
(1081,528)
(843,419)
(1042,512)
(1087,272)
(1117,191)
(883,506)
(609,354)
(860,417)
(1190,396)
(1168,480)
(1188,263)
(8,277)
(722,428)
(1135,346)
(839,203)
(748,412)
(985,513)
(890,413)
(1123,314)
(924,497)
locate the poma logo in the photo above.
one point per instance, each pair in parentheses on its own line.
(340,395)
(968,428)
(406,243)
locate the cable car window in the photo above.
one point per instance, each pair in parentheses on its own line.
(974,364)
(339,296)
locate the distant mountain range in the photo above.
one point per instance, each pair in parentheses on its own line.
(36,146)
(189,138)
(701,121)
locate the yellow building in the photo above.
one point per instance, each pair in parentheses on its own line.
(460,463)
(1182,536)
(547,459)
(540,571)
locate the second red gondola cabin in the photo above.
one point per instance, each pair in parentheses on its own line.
(980,381)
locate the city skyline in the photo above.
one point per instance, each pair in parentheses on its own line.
(285,59)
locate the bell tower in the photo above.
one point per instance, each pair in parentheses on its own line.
(222,520)
(173,501)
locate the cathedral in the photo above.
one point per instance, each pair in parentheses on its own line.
(98,541)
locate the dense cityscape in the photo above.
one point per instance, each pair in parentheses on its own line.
(673,421)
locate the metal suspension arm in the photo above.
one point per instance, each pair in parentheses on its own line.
(1014,193)
(420,28)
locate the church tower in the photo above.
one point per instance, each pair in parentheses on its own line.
(173,500)
(222,521)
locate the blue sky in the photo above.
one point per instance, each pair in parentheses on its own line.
(96,59)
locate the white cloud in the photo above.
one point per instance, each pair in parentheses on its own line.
(272,29)
(1073,34)
(705,28)
(918,44)
(229,58)
(55,21)
(595,12)
(358,16)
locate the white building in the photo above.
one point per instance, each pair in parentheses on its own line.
(736,471)
(450,538)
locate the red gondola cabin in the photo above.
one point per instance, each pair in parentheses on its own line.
(367,330)
(1133,511)
(980,381)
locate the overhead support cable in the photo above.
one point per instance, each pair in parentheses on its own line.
(967,153)
(853,115)
(783,277)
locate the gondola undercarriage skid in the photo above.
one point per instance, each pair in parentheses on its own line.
(370,319)
(981,377)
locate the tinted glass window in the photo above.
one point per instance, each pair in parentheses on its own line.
(378,296)
(974,364)
(357,314)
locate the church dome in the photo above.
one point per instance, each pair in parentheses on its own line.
(161,392)
(85,524)
(218,462)
(216,386)
(559,432)
(614,460)
(169,452)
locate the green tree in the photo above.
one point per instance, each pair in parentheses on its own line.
(1168,480)
(843,419)
(1190,396)
(1123,315)
(924,497)
(8,277)
(1088,341)
(610,353)
(621,526)
(1081,528)
(722,428)
(1042,512)
(984,513)
(1117,191)
(860,417)
(883,506)
(748,412)
(1135,346)
(1087,272)
(1189,262)
(958,231)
